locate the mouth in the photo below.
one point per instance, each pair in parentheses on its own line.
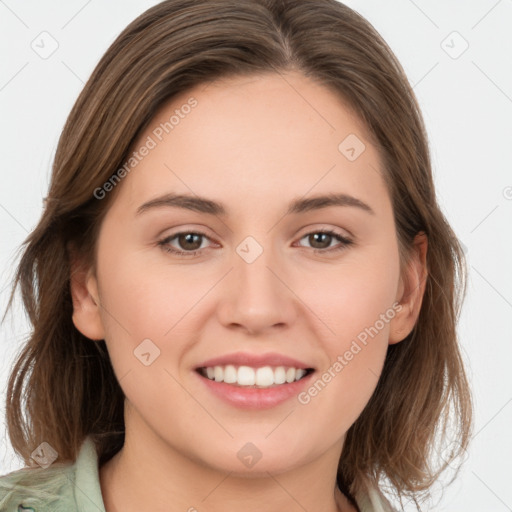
(263,377)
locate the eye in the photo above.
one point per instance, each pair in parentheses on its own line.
(187,240)
(321,239)
(190,241)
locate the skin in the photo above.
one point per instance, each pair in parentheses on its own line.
(249,142)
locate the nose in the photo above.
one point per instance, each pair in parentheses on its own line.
(256,296)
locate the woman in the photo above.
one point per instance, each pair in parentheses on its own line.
(243,290)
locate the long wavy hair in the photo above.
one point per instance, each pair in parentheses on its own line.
(62,386)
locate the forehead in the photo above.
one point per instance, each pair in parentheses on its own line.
(255,137)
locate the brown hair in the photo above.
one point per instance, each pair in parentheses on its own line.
(65,383)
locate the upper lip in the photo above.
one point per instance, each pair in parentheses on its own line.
(254,360)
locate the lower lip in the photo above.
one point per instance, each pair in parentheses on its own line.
(255,398)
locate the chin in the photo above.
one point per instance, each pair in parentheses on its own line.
(256,459)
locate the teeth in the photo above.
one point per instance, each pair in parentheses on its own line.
(279,375)
(299,374)
(230,374)
(218,373)
(264,377)
(245,376)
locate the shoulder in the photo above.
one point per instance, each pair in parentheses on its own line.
(39,489)
(61,487)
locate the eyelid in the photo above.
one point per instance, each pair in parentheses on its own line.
(318,228)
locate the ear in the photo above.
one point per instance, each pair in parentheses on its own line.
(410,291)
(86,303)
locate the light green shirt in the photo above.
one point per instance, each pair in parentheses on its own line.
(68,487)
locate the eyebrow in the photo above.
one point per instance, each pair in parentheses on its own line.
(210,207)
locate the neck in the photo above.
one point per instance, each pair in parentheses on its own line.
(148,471)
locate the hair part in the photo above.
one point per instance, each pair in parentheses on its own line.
(65,382)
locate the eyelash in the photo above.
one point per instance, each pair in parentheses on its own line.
(345,242)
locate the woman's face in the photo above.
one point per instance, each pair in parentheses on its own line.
(258,278)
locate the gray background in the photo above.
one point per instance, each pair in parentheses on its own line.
(466,99)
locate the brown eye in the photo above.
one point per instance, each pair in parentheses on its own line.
(189,243)
(321,240)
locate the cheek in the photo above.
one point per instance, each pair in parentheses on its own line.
(351,298)
(355,305)
(146,300)
(144,303)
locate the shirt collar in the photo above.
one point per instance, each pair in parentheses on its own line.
(88,495)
